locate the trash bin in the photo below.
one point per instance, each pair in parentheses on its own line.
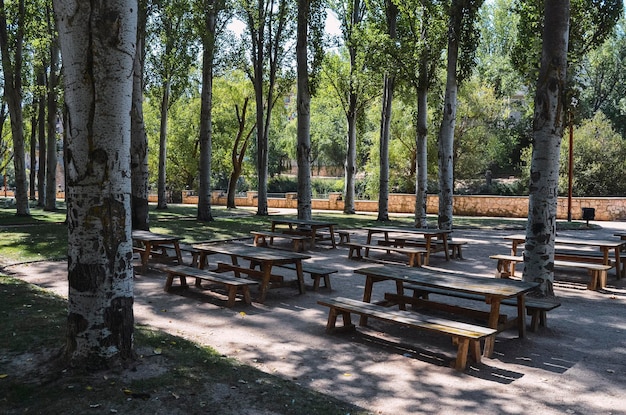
(589,214)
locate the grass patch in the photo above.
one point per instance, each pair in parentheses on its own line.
(170,375)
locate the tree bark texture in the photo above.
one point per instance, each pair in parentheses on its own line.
(162,181)
(206,109)
(51,154)
(421,158)
(238,152)
(304,114)
(448,122)
(98,47)
(548,126)
(11,52)
(140,216)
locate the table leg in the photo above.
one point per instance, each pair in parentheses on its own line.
(265,282)
(332,236)
(427,257)
(145,255)
(179,255)
(300,275)
(494,315)
(367,297)
(619,272)
(514,253)
(400,292)
(444,239)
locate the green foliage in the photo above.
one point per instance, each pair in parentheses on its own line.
(599,160)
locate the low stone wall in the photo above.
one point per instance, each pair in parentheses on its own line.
(606,208)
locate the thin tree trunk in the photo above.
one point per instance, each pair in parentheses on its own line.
(51,165)
(238,153)
(304,114)
(98,47)
(12,72)
(206,133)
(385,126)
(162,190)
(421,159)
(548,125)
(33,155)
(446,132)
(139,138)
(41,128)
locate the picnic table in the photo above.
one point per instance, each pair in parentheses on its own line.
(307,227)
(266,258)
(428,234)
(605,246)
(493,290)
(147,244)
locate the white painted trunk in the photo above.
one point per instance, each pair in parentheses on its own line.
(98,47)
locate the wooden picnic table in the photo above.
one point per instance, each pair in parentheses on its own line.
(307,227)
(427,234)
(265,257)
(605,247)
(492,289)
(149,244)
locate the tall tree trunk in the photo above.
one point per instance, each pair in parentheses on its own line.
(238,153)
(352,114)
(548,125)
(421,159)
(385,126)
(206,109)
(51,165)
(33,155)
(12,72)
(391,13)
(162,190)
(98,47)
(446,131)
(139,138)
(41,128)
(304,113)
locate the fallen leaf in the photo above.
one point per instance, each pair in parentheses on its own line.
(4,375)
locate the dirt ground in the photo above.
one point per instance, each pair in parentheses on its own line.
(576,365)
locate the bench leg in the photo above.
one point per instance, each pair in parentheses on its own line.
(245,290)
(168,282)
(461,354)
(232,295)
(503,269)
(355,252)
(474,350)
(415,260)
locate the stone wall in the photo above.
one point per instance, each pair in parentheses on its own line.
(606,208)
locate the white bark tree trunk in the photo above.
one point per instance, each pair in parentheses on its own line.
(548,126)
(421,159)
(98,47)
(139,138)
(446,132)
(304,114)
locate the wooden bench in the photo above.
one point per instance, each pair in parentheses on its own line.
(467,336)
(316,273)
(455,246)
(231,283)
(597,271)
(260,239)
(415,254)
(536,308)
